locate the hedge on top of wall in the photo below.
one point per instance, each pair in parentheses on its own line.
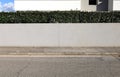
(59,17)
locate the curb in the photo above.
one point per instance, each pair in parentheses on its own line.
(65,54)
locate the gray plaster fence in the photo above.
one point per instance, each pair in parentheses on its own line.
(60,35)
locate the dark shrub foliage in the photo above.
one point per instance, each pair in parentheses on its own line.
(59,17)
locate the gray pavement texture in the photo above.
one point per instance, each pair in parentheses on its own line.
(65,50)
(60,66)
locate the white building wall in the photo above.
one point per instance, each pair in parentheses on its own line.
(47,5)
(116,5)
(86,7)
(63,35)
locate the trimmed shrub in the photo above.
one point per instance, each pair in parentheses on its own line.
(59,17)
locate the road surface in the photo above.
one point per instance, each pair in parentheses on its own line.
(60,66)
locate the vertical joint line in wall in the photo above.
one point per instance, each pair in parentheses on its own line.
(59,36)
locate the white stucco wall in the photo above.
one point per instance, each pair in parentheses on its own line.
(116,5)
(60,35)
(47,5)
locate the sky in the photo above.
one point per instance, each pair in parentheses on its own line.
(6,5)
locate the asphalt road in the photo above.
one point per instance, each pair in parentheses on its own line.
(59,66)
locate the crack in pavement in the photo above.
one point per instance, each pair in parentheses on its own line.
(22,69)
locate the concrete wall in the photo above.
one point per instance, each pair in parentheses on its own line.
(86,7)
(110,5)
(47,5)
(60,35)
(102,5)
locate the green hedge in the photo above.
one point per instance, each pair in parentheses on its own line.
(59,17)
